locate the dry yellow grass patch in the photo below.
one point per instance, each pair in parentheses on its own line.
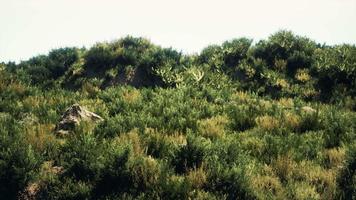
(213,127)
(176,137)
(302,75)
(90,89)
(97,106)
(283,167)
(266,105)
(335,157)
(241,95)
(304,191)
(203,195)
(282,83)
(145,171)
(33,101)
(267,185)
(252,144)
(310,92)
(292,120)
(308,180)
(267,122)
(197,177)
(40,136)
(18,88)
(131,96)
(286,102)
(323,180)
(132,138)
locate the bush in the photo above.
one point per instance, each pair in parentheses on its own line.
(234,51)
(60,60)
(296,50)
(159,145)
(338,128)
(192,154)
(116,178)
(347,177)
(213,127)
(84,157)
(18,164)
(145,174)
(66,188)
(231,182)
(242,117)
(100,57)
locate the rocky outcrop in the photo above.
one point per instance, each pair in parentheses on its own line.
(72,118)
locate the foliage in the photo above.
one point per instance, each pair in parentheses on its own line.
(273,119)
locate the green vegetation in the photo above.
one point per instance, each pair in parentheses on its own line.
(274,119)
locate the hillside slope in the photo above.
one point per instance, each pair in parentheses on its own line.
(270,120)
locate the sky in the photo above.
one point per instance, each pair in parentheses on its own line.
(33,27)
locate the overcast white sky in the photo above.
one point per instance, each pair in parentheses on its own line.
(32,27)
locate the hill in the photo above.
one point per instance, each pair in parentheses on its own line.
(273,119)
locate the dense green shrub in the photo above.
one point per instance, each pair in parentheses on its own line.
(191,155)
(234,51)
(115,179)
(65,188)
(338,128)
(231,182)
(84,158)
(60,60)
(242,117)
(101,57)
(347,177)
(284,45)
(18,160)
(335,67)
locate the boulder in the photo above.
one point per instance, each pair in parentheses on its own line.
(72,118)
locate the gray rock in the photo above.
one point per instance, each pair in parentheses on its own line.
(72,118)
